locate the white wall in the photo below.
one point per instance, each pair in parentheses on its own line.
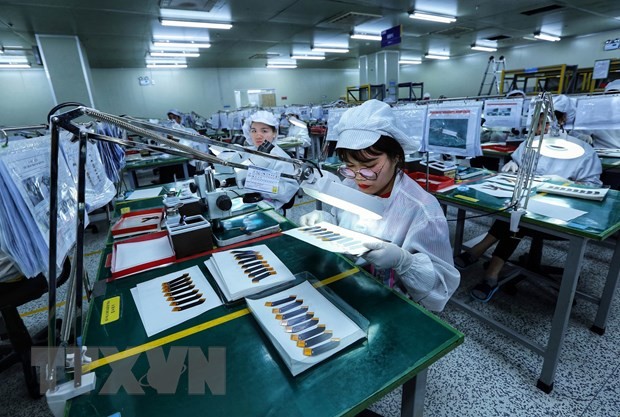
(459,77)
(26,96)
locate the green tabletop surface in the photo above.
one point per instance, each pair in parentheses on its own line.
(609,162)
(602,218)
(403,339)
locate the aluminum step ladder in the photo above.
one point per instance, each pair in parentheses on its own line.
(493,73)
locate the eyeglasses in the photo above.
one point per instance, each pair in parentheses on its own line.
(366,173)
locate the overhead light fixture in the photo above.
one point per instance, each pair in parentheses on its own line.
(14,66)
(432,17)
(409,61)
(546,37)
(281,65)
(163,65)
(174,54)
(310,57)
(483,48)
(435,56)
(187,45)
(331,49)
(195,24)
(365,36)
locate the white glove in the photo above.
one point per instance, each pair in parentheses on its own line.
(316,216)
(586,138)
(510,167)
(384,255)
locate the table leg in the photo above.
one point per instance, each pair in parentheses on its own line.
(412,403)
(458,233)
(608,293)
(572,268)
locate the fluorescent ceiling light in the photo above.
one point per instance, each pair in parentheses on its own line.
(434,56)
(483,48)
(175,54)
(313,57)
(166,61)
(330,49)
(546,37)
(195,24)
(7,59)
(14,66)
(432,17)
(409,61)
(188,45)
(366,37)
(166,65)
(281,65)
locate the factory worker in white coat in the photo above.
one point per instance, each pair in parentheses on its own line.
(260,131)
(419,257)
(296,131)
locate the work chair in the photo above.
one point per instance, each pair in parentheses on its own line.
(13,295)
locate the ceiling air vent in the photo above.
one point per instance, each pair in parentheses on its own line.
(497,38)
(199,5)
(352,18)
(267,55)
(454,31)
(543,9)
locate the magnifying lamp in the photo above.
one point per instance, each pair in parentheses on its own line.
(559,148)
(330,190)
(295,121)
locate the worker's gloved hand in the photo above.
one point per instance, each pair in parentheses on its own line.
(316,216)
(510,167)
(384,255)
(586,138)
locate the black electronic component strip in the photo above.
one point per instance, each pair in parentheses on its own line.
(288,307)
(314,351)
(249,256)
(253,262)
(185,285)
(297,320)
(186,300)
(280,301)
(309,228)
(176,279)
(188,306)
(178,284)
(310,333)
(291,314)
(242,252)
(298,328)
(315,340)
(256,279)
(179,291)
(184,295)
(257,268)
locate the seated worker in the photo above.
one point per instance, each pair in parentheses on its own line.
(419,257)
(565,110)
(260,131)
(167,174)
(298,132)
(586,169)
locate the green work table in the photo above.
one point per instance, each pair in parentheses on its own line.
(403,341)
(601,220)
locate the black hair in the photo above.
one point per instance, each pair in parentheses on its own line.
(385,145)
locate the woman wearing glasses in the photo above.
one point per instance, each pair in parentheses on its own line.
(419,257)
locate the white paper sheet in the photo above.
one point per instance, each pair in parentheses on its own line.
(235,283)
(156,312)
(552,210)
(145,193)
(128,255)
(352,243)
(340,324)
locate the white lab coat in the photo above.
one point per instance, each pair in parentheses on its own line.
(199,146)
(300,133)
(587,168)
(604,138)
(413,220)
(287,187)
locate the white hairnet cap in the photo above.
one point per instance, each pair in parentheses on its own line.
(564,104)
(360,127)
(260,116)
(516,93)
(175,112)
(613,86)
(426,95)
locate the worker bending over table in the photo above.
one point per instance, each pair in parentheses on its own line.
(417,257)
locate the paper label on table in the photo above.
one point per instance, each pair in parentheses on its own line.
(111,310)
(146,193)
(553,210)
(125,210)
(262,179)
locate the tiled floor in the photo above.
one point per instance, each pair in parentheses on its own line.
(489,375)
